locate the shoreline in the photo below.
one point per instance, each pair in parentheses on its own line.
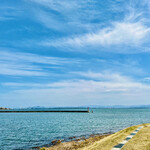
(73,142)
(55,142)
(94,142)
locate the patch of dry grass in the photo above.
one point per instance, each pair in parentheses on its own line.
(112,140)
(141,141)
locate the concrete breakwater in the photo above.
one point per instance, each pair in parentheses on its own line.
(40,111)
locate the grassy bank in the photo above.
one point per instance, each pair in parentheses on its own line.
(140,141)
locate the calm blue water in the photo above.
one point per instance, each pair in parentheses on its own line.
(26,130)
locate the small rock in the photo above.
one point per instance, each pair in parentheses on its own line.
(73,137)
(54,142)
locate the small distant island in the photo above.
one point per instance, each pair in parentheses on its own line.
(3,108)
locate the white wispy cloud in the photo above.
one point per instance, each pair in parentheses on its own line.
(132,31)
(115,90)
(119,33)
(28,64)
(98,80)
(147,78)
(103,76)
(34,58)
(9,12)
(64,16)
(16,71)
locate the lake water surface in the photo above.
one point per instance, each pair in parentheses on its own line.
(21,131)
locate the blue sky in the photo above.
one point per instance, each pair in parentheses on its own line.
(74,53)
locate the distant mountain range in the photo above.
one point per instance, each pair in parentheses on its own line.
(121,106)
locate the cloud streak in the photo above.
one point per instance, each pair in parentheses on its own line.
(128,35)
(28,64)
(103,81)
(116,90)
(9,13)
(120,33)
(63,16)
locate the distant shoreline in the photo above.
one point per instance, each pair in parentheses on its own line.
(3,108)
